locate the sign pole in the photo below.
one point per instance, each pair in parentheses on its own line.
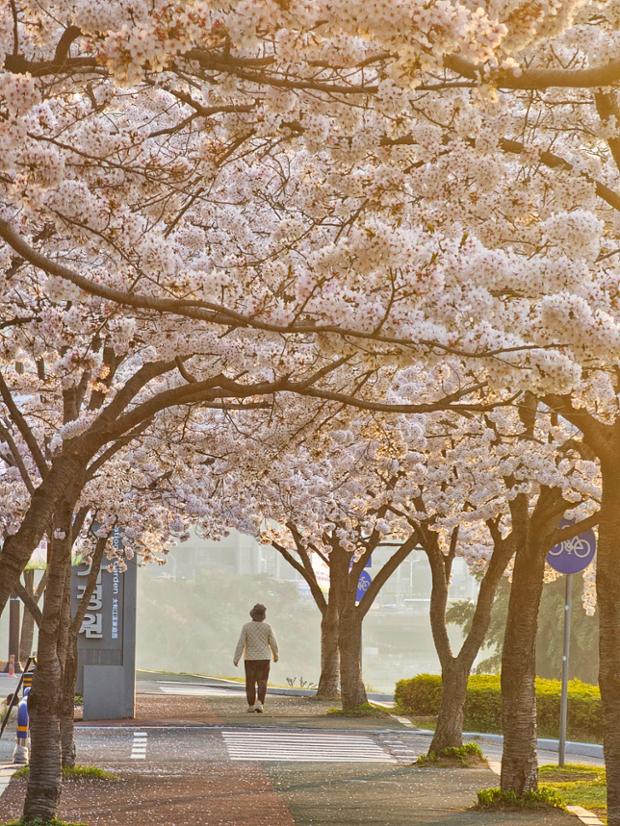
(568,606)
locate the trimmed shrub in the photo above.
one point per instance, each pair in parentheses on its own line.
(420,696)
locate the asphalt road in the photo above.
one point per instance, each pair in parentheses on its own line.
(175,745)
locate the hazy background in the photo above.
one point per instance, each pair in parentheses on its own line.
(190,612)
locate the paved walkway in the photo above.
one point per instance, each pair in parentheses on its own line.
(212,764)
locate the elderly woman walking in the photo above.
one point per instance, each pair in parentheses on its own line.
(257,643)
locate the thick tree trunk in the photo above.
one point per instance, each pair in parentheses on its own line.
(44,780)
(519,760)
(449,731)
(26,636)
(608,591)
(352,687)
(329,683)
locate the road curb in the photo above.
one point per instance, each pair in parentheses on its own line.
(585,816)
(6,773)
(546,744)
(543,743)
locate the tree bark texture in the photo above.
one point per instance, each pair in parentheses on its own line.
(449,730)
(26,636)
(352,687)
(608,594)
(44,780)
(67,730)
(519,759)
(329,683)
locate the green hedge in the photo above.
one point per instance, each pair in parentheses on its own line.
(421,695)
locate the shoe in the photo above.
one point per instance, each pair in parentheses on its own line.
(259,708)
(251,709)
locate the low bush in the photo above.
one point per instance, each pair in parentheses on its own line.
(421,695)
(543,798)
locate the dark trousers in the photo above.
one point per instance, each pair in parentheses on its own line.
(256,672)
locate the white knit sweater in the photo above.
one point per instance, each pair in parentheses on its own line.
(258,641)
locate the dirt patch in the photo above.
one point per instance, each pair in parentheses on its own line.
(167,709)
(225,795)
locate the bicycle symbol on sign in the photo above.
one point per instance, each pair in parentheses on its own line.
(578,546)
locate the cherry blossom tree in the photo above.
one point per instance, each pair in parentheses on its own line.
(500,481)
(412,181)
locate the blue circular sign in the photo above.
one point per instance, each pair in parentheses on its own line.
(362,585)
(573,555)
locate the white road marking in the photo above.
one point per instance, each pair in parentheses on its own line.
(138,748)
(403,750)
(303,747)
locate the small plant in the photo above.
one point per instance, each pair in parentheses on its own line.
(76,773)
(88,773)
(78,700)
(300,682)
(469,754)
(543,798)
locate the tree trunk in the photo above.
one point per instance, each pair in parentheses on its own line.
(45,776)
(519,759)
(18,547)
(329,683)
(449,731)
(608,592)
(67,706)
(26,636)
(350,644)
(67,652)
(44,780)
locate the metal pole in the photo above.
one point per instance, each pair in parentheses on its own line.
(568,606)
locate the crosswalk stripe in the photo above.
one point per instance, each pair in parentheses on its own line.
(138,746)
(303,747)
(402,751)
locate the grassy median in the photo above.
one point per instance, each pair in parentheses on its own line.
(578,784)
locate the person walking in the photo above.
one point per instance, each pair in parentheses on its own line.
(257,643)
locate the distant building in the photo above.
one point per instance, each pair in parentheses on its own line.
(408,589)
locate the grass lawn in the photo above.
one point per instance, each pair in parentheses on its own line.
(579,785)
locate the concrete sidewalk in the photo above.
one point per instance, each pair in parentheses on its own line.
(188,775)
